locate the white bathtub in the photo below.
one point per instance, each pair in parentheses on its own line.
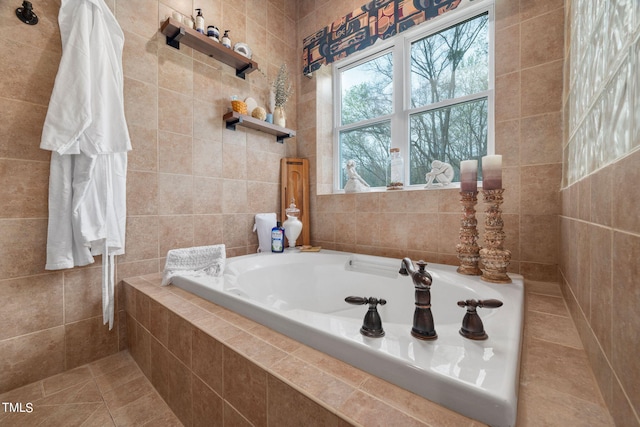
(302,296)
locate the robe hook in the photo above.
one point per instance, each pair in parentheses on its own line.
(26,14)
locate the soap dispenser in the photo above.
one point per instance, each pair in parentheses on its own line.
(199,22)
(277,238)
(293,225)
(226,41)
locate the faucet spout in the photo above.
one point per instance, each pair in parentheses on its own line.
(423,326)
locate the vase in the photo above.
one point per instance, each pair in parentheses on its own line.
(279,118)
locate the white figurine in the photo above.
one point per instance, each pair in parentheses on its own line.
(441,172)
(355,183)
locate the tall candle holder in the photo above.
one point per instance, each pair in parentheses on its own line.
(468,249)
(494,257)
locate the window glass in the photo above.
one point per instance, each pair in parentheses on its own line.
(451,63)
(368,147)
(367,90)
(449,134)
(439,110)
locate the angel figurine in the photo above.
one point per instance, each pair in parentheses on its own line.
(441,172)
(355,183)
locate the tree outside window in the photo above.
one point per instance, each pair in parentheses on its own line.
(445,114)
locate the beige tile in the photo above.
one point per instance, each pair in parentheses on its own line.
(317,384)
(56,383)
(602,196)
(144,155)
(175,232)
(255,349)
(531,9)
(625,195)
(368,411)
(509,142)
(207,155)
(31,304)
(507,50)
(28,72)
(83,392)
(552,328)
(541,89)
(140,103)
(233,418)
(175,194)
(180,396)
(541,137)
(626,293)
(175,71)
(159,322)
(208,195)
(130,18)
(207,360)
(539,185)
(142,193)
(179,342)
(141,239)
(545,406)
(546,303)
(332,366)
(601,288)
(263,197)
(46,358)
(175,112)
(148,409)
(236,228)
(83,294)
(508,93)
(507,13)
(542,39)
(539,234)
(23,252)
(88,340)
(207,405)
(245,387)
(140,58)
(174,153)
(234,196)
(208,230)
(560,368)
(21,126)
(111,363)
(419,408)
(288,407)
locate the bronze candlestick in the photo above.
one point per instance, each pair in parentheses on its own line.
(494,257)
(468,249)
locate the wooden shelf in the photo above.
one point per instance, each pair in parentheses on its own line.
(233,119)
(177,33)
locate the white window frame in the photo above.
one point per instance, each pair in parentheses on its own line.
(400,46)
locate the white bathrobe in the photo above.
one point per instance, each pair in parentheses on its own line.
(86,130)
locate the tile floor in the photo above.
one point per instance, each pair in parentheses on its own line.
(108,392)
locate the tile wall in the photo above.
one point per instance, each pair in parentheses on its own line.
(190,181)
(424,224)
(600,230)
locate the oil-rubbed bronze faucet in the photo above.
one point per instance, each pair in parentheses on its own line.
(423,327)
(472,326)
(372,324)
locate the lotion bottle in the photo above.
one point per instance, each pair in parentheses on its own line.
(226,41)
(277,238)
(200,22)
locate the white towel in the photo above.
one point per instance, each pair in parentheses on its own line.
(264,223)
(194,262)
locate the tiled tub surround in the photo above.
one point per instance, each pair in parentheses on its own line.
(212,366)
(599,221)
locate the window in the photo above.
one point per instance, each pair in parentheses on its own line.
(427,91)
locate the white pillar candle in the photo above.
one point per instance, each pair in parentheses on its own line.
(492,172)
(469,176)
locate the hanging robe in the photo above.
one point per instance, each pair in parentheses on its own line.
(86,130)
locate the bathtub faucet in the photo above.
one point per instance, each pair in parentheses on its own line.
(423,327)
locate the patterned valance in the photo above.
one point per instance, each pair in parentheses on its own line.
(378,19)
